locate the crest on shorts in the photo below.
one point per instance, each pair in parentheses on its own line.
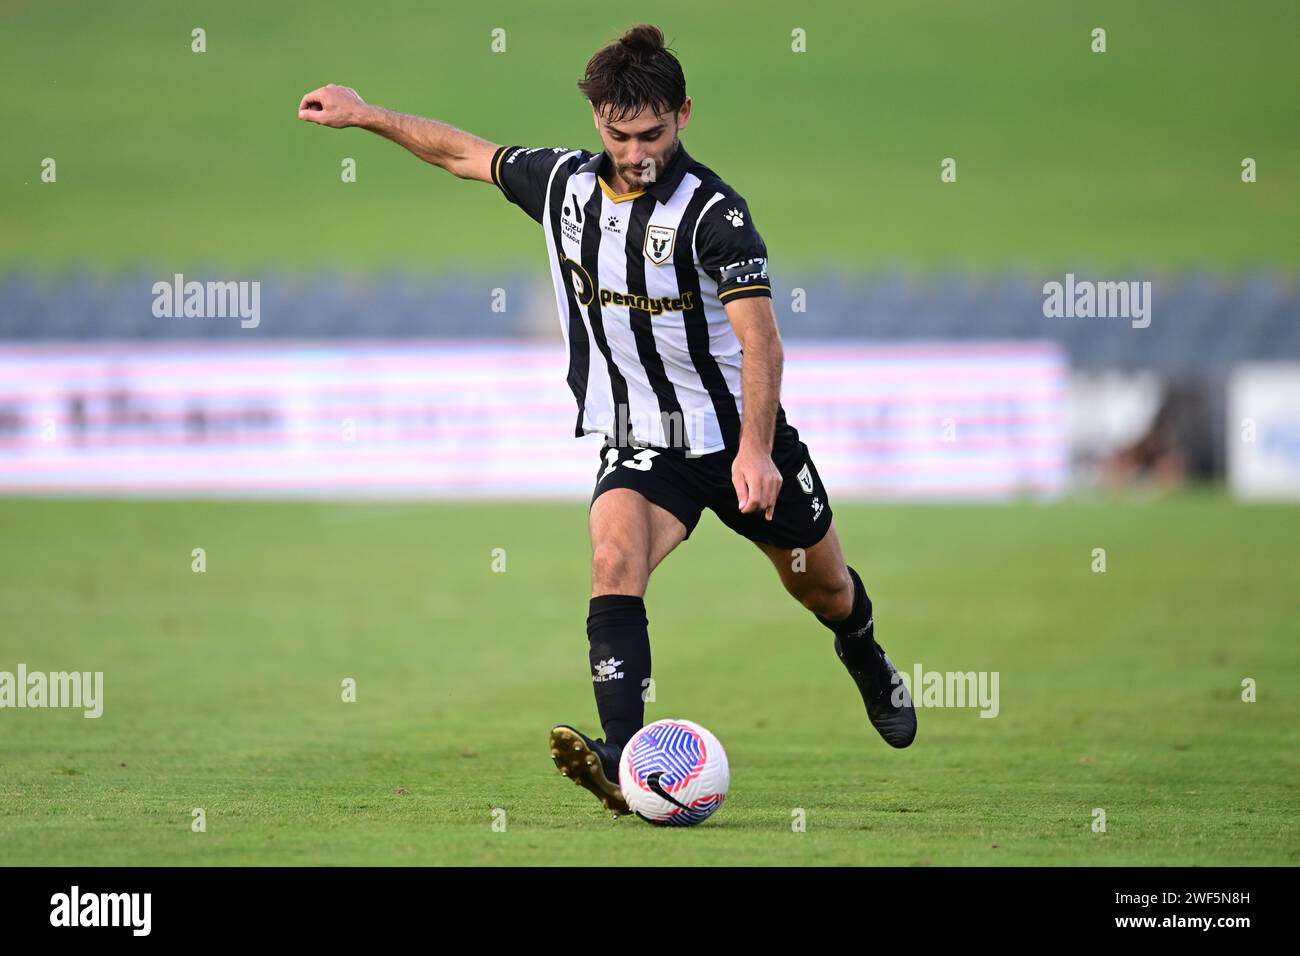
(659,243)
(805,479)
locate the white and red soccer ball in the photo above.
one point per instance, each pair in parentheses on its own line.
(674,773)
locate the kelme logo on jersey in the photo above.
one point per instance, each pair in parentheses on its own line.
(659,243)
(657,306)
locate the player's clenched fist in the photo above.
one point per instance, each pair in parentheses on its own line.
(332,105)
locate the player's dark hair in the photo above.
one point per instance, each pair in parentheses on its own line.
(635,71)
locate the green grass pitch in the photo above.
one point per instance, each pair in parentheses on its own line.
(1118,690)
(1066,158)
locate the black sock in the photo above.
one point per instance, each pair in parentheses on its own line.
(857,632)
(619,635)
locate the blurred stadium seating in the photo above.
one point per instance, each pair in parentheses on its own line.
(1203,324)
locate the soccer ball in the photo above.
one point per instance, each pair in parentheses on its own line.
(674,773)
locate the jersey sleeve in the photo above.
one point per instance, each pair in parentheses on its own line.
(522,174)
(731,251)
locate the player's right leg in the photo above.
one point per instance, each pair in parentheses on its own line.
(639,513)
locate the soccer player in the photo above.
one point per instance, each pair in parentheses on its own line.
(665,305)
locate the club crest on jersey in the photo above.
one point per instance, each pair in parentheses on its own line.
(805,479)
(659,243)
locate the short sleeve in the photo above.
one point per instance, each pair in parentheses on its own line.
(731,251)
(522,175)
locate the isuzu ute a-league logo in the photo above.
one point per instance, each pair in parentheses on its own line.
(607,670)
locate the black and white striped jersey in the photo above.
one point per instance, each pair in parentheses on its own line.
(640,283)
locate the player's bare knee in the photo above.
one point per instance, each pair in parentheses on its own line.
(833,603)
(616,570)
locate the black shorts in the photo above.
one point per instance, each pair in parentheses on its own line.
(685,486)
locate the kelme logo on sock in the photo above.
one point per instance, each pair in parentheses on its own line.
(607,670)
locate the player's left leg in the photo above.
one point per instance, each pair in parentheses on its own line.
(816,577)
(820,580)
(804,546)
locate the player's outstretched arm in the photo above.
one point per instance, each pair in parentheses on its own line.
(460,153)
